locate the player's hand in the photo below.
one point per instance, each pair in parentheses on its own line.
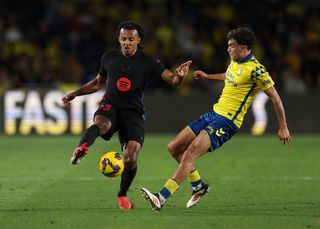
(200,75)
(66,99)
(284,136)
(183,69)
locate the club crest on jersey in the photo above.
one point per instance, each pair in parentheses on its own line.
(125,67)
(123,84)
(211,129)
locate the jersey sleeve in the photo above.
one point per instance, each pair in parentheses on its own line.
(262,77)
(103,71)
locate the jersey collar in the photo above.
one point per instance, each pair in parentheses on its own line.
(246,58)
(136,53)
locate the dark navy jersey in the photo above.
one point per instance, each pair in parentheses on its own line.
(127,77)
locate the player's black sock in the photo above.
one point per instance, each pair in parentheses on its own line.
(126,180)
(90,135)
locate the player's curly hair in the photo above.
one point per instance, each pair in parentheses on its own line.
(130,25)
(243,36)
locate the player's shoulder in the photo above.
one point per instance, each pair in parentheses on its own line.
(257,69)
(148,58)
(255,63)
(144,55)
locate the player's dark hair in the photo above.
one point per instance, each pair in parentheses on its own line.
(130,25)
(243,36)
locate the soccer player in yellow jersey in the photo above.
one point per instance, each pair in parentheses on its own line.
(244,77)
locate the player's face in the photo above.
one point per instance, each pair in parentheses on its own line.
(236,51)
(129,40)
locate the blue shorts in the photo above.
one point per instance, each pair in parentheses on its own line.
(219,128)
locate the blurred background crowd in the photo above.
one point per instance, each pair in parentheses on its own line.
(56,43)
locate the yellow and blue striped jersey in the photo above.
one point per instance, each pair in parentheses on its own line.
(243,80)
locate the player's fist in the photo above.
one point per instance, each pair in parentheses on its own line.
(66,99)
(200,75)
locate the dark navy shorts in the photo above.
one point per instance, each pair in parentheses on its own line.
(219,128)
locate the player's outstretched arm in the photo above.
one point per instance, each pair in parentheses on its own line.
(177,77)
(283,133)
(89,88)
(202,75)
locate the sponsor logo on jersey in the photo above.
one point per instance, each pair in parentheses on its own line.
(123,84)
(230,79)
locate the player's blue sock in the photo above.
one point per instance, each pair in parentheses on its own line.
(168,189)
(195,180)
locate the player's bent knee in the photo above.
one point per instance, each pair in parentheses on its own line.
(104,127)
(174,148)
(171,148)
(133,147)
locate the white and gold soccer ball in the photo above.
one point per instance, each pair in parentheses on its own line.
(111,164)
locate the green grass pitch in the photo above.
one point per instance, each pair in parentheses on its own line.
(257,183)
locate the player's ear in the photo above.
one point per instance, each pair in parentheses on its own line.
(139,39)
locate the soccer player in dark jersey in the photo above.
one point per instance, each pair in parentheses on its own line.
(125,72)
(243,79)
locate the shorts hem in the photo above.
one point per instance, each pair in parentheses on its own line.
(210,149)
(188,127)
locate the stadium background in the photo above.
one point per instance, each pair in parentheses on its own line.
(55,46)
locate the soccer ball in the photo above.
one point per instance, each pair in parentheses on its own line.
(111,164)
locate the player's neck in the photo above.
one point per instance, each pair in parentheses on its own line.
(245,56)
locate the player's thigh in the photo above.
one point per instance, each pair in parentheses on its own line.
(106,121)
(181,142)
(199,146)
(131,127)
